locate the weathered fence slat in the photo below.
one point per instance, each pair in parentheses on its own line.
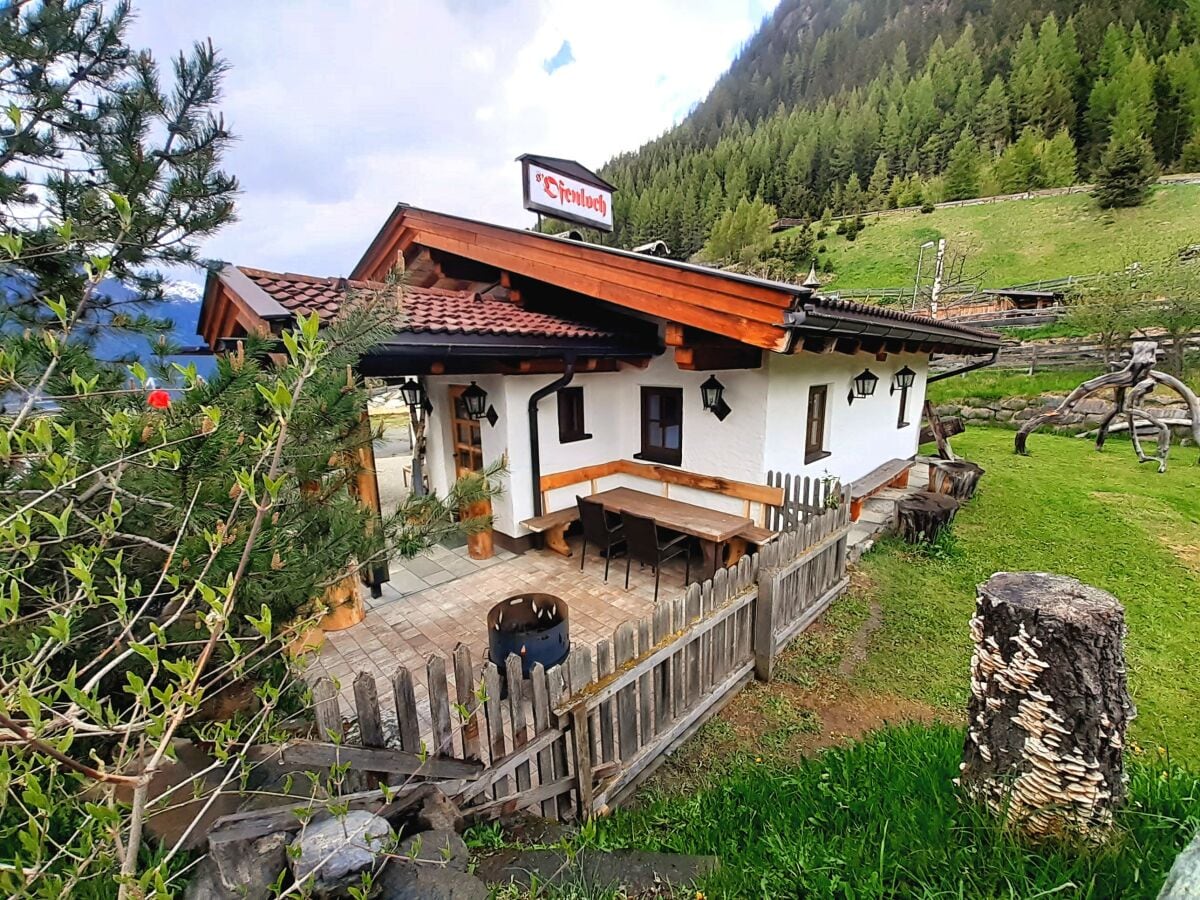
(439,706)
(406,710)
(604,668)
(516,711)
(326,709)
(468,701)
(539,692)
(627,725)
(495,722)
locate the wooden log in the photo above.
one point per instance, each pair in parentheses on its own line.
(958,478)
(1049,703)
(924,515)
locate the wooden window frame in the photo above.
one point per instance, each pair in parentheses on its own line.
(815,451)
(653,453)
(902,418)
(570,415)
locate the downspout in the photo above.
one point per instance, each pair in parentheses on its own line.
(970,367)
(535,454)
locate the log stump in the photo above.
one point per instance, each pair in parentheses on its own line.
(957,478)
(1049,704)
(924,516)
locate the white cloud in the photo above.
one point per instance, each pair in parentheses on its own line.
(343,109)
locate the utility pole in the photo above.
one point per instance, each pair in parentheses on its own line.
(937,278)
(920,258)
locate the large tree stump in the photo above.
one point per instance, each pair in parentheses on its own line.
(924,515)
(1049,703)
(958,478)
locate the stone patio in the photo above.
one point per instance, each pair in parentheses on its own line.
(442,597)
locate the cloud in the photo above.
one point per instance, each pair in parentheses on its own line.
(562,58)
(342,110)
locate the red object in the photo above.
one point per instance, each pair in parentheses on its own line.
(159,399)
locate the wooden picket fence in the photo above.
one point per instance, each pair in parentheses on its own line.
(803,498)
(574,740)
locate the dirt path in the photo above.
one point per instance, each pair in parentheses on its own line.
(856,653)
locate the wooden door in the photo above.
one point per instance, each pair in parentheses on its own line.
(466,434)
(467,438)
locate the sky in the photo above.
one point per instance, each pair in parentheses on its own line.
(343,108)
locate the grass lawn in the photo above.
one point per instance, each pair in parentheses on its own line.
(1017,241)
(785,788)
(1066,508)
(995,384)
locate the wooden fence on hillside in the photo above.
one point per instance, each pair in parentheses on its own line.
(570,741)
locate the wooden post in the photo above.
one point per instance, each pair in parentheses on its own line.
(764,615)
(939,432)
(1049,703)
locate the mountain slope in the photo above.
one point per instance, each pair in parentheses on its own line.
(853,105)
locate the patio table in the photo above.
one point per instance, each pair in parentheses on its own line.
(714,529)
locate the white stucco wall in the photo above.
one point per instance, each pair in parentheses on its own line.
(861,435)
(764,431)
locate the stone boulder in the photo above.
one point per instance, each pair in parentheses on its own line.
(438,813)
(434,849)
(1014,403)
(334,851)
(400,882)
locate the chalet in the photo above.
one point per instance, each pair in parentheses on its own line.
(590,367)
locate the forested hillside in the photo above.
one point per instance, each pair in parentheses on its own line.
(844,105)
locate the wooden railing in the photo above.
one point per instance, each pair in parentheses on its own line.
(801,499)
(571,741)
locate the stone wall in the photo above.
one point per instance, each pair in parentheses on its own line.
(1012,411)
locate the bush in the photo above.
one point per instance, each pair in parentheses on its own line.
(821,248)
(926,208)
(822,234)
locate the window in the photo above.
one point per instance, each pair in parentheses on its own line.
(662,425)
(814,437)
(570,415)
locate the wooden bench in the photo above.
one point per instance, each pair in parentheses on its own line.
(893,473)
(554,525)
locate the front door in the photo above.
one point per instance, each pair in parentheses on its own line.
(468,457)
(468,438)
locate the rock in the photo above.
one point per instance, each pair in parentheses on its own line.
(435,849)
(409,882)
(247,868)
(336,850)
(438,813)
(1183,881)
(1094,407)
(976,412)
(1027,413)
(1014,403)
(1004,415)
(632,871)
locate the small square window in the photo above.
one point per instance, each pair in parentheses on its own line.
(570,415)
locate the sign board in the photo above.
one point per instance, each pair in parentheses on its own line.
(566,197)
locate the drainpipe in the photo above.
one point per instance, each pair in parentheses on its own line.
(535,454)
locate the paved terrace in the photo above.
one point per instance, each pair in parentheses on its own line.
(442,597)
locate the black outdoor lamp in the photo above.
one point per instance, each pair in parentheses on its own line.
(712,392)
(475,400)
(863,385)
(903,379)
(413,393)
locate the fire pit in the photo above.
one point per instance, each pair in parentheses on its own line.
(533,626)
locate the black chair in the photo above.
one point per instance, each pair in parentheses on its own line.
(644,545)
(598,529)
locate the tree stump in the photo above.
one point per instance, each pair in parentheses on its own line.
(924,516)
(957,478)
(1049,704)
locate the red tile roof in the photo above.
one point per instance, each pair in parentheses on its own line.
(427,310)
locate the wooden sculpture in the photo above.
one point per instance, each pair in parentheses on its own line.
(1130,386)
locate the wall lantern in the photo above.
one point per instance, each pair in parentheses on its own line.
(712,392)
(474,399)
(413,393)
(903,379)
(863,385)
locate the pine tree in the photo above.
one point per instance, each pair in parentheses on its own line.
(1019,167)
(962,170)
(992,117)
(1126,168)
(852,194)
(1189,159)
(1058,160)
(877,187)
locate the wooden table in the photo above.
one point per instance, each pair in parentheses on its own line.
(716,530)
